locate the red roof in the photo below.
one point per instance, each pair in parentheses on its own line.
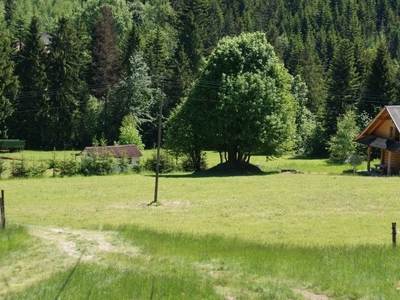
(118,151)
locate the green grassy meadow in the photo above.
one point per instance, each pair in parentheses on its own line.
(274,236)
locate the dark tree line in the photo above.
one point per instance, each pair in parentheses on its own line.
(67,66)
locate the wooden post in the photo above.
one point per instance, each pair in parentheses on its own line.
(369,159)
(394,232)
(3,212)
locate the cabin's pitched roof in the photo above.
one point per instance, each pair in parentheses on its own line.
(367,136)
(117,151)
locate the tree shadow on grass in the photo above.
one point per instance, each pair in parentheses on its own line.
(224,170)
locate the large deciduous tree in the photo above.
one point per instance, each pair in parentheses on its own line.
(241,104)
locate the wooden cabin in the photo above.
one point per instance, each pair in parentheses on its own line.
(383,133)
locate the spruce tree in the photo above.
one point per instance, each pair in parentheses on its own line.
(30,107)
(190,46)
(132,45)
(379,85)
(106,66)
(343,85)
(66,60)
(8,83)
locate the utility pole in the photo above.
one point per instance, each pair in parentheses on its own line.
(155,201)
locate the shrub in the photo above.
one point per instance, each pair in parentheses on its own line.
(355,160)
(167,163)
(3,166)
(37,170)
(68,167)
(21,169)
(123,163)
(97,164)
(187,164)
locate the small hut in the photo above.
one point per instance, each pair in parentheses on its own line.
(383,133)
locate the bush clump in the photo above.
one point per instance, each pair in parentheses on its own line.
(167,163)
(97,164)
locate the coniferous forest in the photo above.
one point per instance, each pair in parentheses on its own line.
(71,71)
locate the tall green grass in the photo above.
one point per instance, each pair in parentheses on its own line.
(185,266)
(355,272)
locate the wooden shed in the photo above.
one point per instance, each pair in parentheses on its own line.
(383,133)
(131,152)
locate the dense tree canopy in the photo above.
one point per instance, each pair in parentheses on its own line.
(345,51)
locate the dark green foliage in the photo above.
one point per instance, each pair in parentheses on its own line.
(344,86)
(188,165)
(166,165)
(106,65)
(8,84)
(132,45)
(176,38)
(66,63)
(29,119)
(379,85)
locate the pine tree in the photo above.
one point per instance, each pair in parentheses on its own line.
(106,65)
(66,60)
(132,46)
(155,55)
(30,107)
(343,85)
(8,83)
(379,86)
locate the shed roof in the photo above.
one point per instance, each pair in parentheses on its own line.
(117,151)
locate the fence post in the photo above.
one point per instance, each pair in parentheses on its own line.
(394,232)
(3,212)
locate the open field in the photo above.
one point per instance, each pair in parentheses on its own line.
(276,236)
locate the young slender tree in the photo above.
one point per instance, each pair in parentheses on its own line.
(341,145)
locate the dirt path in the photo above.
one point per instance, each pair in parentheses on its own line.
(310,295)
(57,250)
